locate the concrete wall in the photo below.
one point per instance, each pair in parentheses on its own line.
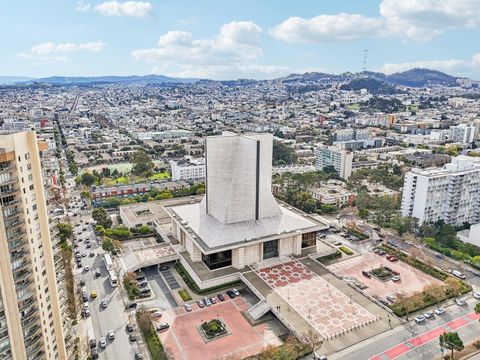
(252,254)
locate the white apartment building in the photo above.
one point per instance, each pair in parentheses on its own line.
(451,193)
(340,159)
(188,169)
(30,318)
(463,133)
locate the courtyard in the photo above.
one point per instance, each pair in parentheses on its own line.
(327,309)
(183,340)
(411,280)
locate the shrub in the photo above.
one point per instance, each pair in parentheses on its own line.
(131,286)
(346,250)
(184,295)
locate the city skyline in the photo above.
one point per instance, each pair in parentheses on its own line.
(237,40)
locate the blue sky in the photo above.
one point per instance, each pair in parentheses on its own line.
(237,39)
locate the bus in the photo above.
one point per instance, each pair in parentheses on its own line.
(113,278)
(108,261)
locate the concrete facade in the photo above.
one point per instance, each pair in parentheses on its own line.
(28,287)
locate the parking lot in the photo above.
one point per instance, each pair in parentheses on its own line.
(184,341)
(412,280)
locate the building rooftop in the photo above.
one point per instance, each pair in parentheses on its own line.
(211,234)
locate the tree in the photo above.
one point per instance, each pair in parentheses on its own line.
(85,194)
(451,341)
(283,152)
(64,231)
(101,217)
(87,179)
(142,165)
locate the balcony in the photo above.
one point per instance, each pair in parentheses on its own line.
(9,216)
(16,245)
(10,203)
(9,192)
(10,180)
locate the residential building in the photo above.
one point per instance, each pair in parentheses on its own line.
(451,193)
(30,319)
(463,133)
(188,169)
(340,159)
(101,193)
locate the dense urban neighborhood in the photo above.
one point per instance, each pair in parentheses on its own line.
(312,215)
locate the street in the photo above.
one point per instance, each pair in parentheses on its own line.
(416,341)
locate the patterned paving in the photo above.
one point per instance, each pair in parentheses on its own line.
(326,308)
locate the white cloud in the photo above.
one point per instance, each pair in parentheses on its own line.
(83,6)
(55,52)
(225,55)
(327,28)
(407,19)
(448,66)
(136,9)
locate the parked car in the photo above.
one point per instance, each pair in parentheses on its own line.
(162,326)
(157,314)
(213,300)
(103,342)
(200,304)
(94,354)
(93,294)
(391,298)
(82,282)
(91,254)
(419,319)
(439,311)
(187,307)
(476,295)
(86,313)
(143,283)
(221,297)
(86,268)
(396,278)
(392,258)
(163,267)
(93,343)
(461,302)
(230,294)
(132,337)
(129,327)
(104,304)
(366,274)
(131,305)
(111,334)
(145,291)
(429,314)
(207,301)
(138,356)
(140,276)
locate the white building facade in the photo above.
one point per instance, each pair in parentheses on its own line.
(192,169)
(451,193)
(340,159)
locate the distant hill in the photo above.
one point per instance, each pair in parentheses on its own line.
(422,77)
(373,86)
(8,80)
(69,80)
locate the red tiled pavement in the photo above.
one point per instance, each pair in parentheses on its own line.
(185,343)
(455,324)
(396,351)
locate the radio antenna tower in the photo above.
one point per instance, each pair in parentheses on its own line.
(365,58)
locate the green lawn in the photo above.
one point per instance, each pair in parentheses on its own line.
(160,176)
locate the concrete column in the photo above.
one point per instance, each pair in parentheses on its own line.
(196,253)
(238,258)
(297,245)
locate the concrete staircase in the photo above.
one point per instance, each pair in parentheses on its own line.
(258,310)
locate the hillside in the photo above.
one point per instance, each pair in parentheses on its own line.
(373,86)
(422,77)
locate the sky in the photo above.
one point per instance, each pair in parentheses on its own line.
(231,39)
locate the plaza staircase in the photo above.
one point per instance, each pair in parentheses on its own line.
(258,310)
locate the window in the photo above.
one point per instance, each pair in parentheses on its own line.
(309,239)
(27,156)
(218,260)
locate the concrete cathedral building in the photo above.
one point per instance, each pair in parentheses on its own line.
(239,222)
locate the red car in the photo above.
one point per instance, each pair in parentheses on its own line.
(392,258)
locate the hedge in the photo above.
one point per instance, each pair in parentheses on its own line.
(191,284)
(184,295)
(346,250)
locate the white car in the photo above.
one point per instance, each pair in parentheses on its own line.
(428,315)
(157,314)
(419,319)
(86,268)
(103,342)
(111,334)
(187,307)
(461,302)
(476,295)
(439,311)
(396,278)
(391,298)
(235,291)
